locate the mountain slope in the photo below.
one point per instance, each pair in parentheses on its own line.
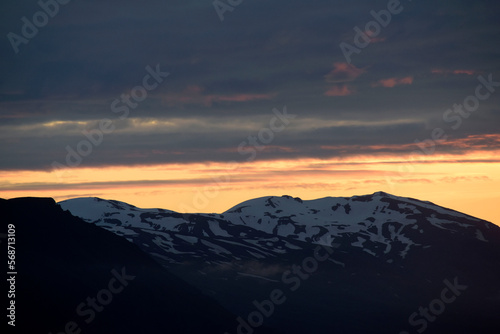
(386,257)
(75,276)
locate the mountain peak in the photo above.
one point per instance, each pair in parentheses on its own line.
(382,194)
(298,199)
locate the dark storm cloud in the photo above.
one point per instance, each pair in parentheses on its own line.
(264,55)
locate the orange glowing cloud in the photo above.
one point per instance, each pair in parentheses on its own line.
(339,90)
(343,72)
(483,142)
(444,71)
(392,82)
(479,142)
(194,95)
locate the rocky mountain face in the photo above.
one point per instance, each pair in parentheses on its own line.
(367,264)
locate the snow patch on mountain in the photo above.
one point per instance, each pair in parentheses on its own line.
(379,224)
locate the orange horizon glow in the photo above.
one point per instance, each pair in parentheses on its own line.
(467,183)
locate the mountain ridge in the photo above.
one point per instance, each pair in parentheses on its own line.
(380,218)
(297,199)
(381,245)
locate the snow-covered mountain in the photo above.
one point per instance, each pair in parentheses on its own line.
(172,237)
(387,256)
(379,221)
(380,224)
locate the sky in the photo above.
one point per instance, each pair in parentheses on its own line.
(198,105)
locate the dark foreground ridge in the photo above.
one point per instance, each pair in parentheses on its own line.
(74,277)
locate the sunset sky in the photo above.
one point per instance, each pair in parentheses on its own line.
(163,104)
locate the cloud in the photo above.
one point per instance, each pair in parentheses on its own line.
(445,71)
(481,141)
(392,82)
(117,184)
(195,95)
(454,179)
(227,77)
(343,72)
(414,180)
(339,90)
